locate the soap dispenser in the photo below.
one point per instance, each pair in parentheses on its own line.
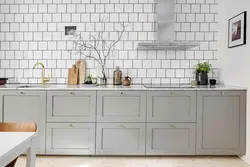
(117,76)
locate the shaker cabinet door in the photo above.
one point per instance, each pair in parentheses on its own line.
(70,138)
(171,106)
(170,139)
(121,106)
(221,123)
(120,139)
(71,106)
(26,106)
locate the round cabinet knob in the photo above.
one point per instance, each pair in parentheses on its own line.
(22,93)
(172,93)
(121,93)
(70,125)
(222,93)
(122,126)
(72,93)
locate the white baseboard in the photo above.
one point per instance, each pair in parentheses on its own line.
(245,158)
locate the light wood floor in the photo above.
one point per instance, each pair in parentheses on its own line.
(67,161)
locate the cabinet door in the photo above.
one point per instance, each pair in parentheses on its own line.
(170,139)
(70,138)
(121,106)
(171,106)
(26,106)
(120,139)
(68,106)
(221,123)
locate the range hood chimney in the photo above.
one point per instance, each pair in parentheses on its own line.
(165,10)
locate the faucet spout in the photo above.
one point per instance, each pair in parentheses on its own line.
(44,80)
(38,63)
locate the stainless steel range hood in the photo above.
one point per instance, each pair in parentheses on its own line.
(165,30)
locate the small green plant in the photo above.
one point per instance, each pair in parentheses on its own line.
(203,68)
(89,79)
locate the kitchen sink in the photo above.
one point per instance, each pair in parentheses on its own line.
(31,86)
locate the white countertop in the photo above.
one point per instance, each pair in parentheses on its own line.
(110,87)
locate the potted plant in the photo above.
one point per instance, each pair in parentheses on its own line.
(201,73)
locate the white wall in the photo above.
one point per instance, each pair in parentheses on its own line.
(33,30)
(235,62)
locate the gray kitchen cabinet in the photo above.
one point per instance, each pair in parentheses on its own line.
(170,139)
(221,123)
(71,106)
(120,139)
(26,106)
(121,106)
(70,139)
(171,106)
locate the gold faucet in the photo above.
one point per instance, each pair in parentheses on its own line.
(44,79)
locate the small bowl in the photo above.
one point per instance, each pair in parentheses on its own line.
(3,81)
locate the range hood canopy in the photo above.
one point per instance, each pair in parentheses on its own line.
(165,30)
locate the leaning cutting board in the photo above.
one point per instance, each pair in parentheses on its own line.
(73,75)
(81,65)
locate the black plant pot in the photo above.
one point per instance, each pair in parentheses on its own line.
(201,78)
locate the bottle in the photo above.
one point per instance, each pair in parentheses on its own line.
(117,76)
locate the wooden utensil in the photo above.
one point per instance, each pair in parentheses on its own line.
(73,75)
(81,65)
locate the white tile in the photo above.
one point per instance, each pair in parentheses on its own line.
(151,73)
(65,18)
(28,36)
(42,26)
(180,73)
(138,8)
(209,17)
(175,63)
(186,8)
(170,73)
(9,36)
(80,8)
(38,18)
(24,45)
(99,8)
(42,8)
(195,8)
(189,55)
(33,46)
(143,17)
(147,64)
(33,27)
(5,9)
(52,8)
(38,36)
(119,8)
(200,18)
(90,8)
(156,63)
(9,17)
(42,45)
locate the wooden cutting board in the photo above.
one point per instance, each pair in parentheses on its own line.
(81,65)
(73,75)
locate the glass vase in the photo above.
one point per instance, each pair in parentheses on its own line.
(102,74)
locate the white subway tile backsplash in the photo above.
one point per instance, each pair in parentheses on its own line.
(33,30)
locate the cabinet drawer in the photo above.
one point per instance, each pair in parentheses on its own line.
(170,139)
(71,106)
(70,138)
(121,106)
(171,106)
(120,139)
